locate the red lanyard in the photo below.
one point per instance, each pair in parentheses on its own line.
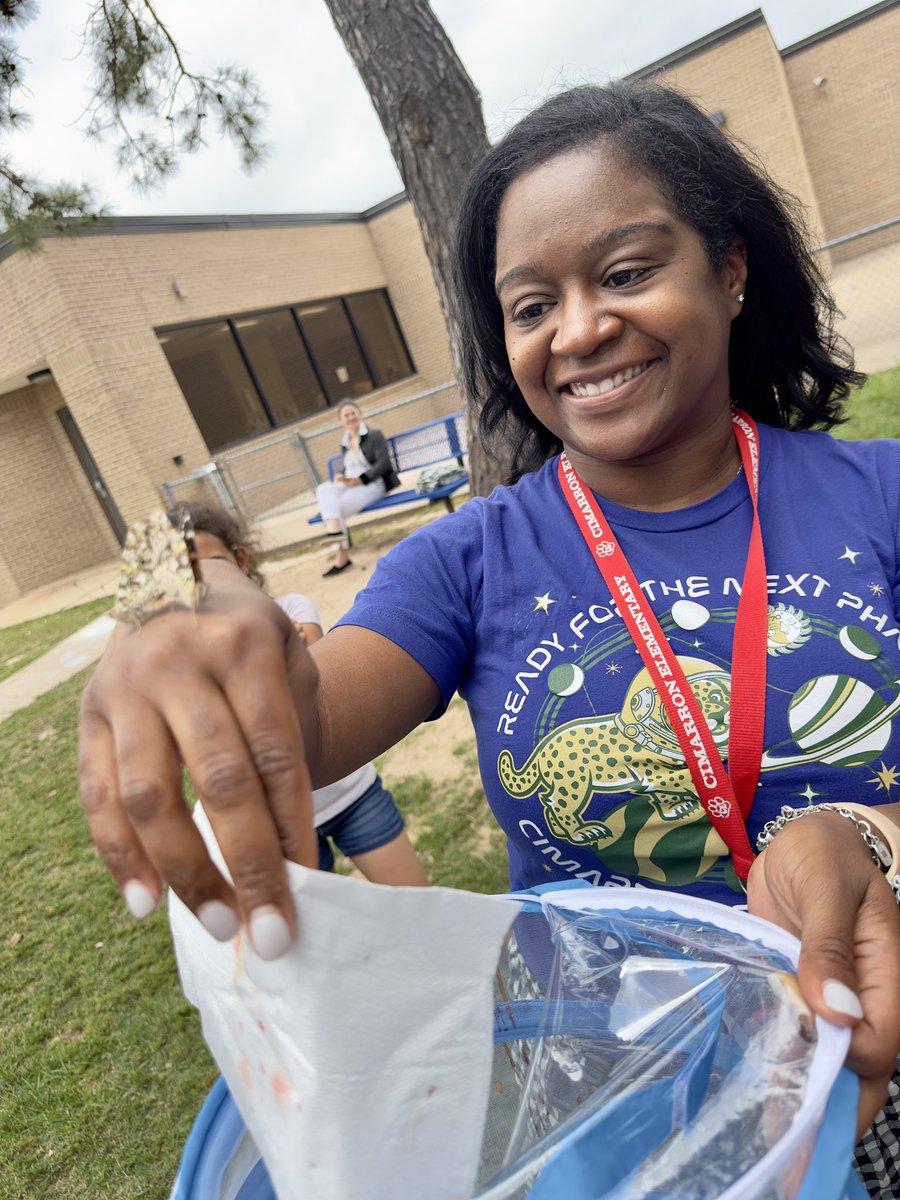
(726,796)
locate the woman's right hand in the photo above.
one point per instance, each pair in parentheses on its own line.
(208,689)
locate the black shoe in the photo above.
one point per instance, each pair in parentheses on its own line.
(337,570)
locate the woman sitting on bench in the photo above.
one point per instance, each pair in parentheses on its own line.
(368,475)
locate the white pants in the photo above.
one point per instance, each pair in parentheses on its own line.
(337,501)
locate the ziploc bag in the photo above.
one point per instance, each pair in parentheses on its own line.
(664,1052)
(360,1060)
(646,1044)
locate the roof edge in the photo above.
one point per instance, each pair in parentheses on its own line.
(205,223)
(839,27)
(703,43)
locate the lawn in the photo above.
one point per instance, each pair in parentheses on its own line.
(873,410)
(102,1065)
(20,644)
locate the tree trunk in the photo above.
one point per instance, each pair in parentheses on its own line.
(431,114)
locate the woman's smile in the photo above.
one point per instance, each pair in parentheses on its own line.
(582,389)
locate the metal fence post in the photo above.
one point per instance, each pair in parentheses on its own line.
(300,442)
(221,487)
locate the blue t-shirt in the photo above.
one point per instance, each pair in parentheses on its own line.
(580,765)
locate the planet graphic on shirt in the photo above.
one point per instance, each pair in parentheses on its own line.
(839,720)
(859,642)
(689,615)
(566,679)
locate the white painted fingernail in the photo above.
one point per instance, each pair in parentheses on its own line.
(269,932)
(219,920)
(139,898)
(841,999)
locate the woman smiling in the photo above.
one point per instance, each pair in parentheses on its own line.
(677,631)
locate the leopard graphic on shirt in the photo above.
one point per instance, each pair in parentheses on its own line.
(661,832)
(633,750)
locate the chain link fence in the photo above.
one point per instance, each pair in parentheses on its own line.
(279,474)
(863,271)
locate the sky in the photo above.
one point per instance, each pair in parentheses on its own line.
(327,150)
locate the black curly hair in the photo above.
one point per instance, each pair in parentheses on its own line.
(787,366)
(228,527)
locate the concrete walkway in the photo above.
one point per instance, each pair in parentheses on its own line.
(56,666)
(85,647)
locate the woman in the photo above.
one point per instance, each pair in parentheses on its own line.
(623,273)
(368,475)
(356,813)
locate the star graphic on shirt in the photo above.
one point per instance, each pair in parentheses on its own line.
(885,779)
(613,668)
(808,794)
(876,589)
(696,643)
(850,555)
(575,647)
(542,603)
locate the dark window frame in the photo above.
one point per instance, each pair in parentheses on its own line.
(231,318)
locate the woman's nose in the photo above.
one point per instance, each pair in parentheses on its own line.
(583,324)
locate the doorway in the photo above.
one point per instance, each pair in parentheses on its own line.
(90,468)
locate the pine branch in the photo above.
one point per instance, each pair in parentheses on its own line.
(143,96)
(139,72)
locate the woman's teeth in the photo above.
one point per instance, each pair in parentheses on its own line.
(607,385)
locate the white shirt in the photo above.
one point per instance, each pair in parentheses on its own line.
(333,799)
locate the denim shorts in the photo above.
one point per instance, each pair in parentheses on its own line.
(371,821)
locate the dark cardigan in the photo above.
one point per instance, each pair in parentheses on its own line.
(374,448)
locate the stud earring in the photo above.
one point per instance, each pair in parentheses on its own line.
(741,298)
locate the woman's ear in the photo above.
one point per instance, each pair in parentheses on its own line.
(242,558)
(735,269)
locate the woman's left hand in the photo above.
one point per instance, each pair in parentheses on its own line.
(817,880)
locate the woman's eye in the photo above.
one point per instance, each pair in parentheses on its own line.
(625,276)
(526,313)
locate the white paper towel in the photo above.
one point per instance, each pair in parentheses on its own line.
(361,1060)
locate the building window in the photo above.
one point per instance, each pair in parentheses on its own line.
(378,331)
(273,345)
(216,383)
(335,350)
(243,375)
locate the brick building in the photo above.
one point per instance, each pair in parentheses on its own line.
(142,351)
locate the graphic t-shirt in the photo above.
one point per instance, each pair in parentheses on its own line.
(503,603)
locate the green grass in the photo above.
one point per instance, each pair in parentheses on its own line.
(873,410)
(21,644)
(102,1067)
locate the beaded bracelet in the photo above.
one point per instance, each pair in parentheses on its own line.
(883,846)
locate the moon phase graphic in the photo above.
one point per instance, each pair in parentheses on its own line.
(689,615)
(859,642)
(566,679)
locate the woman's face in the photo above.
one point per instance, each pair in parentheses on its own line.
(351,418)
(616,324)
(210,546)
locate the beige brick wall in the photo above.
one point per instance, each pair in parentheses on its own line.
(87,308)
(398,244)
(851,126)
(743,76)
(52,525)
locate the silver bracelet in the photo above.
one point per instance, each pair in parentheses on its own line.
(883,855)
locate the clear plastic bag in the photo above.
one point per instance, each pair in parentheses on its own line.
(656,1046)
(648,1046)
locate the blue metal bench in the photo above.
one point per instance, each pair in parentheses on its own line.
(423,446)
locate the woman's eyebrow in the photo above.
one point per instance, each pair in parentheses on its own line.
(595,245)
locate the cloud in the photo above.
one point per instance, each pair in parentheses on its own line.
(328,152)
